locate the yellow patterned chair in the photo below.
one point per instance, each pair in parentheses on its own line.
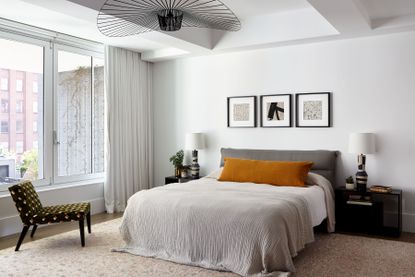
(33,213)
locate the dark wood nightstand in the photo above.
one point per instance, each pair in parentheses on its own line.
(174,179)
(381,214)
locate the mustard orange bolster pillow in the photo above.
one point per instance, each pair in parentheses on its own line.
(277,173)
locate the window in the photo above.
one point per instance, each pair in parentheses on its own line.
(19,106)
(19,147)
(4,127)
(58,126)
(4,84)
(19,126)
(22,60)
(35,107)
(74,121)
(35,88)
(19,85)
(4,105)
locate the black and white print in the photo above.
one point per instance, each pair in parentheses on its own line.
(242,111)
(313,109)
(276,110)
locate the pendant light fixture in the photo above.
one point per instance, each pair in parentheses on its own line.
(119,18)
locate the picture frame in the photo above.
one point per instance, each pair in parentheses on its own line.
(313,110)
(276,111)
(242,111)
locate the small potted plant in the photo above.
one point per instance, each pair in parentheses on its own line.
(350,183)
(177,161)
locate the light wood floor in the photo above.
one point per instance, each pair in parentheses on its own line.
(50,230)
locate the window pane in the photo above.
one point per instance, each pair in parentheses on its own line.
(5,127)
(19,127)
(19,147)
(4,105)
(35,88)
(20,64)
(74,114)
(19,106)
(98,116)
(19,85)
(4,84)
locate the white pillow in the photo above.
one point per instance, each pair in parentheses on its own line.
(215,174)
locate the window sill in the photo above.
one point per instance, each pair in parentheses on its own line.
(5,194)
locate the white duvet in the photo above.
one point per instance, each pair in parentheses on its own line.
(249,229)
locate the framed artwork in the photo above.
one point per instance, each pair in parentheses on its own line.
(275,110)
(313,109)
(242,112)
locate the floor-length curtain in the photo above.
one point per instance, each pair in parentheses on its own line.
(130,150)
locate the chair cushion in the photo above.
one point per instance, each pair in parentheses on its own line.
(59,213)
(26,199)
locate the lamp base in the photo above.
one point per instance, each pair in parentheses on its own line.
(194,167)
(361,181)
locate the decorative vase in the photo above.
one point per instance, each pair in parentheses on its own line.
(184,172)
(177,171)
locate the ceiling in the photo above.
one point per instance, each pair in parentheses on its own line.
(378,9)
(265,23)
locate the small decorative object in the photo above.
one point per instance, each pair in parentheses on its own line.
(194,142)
(130,17)
(362,143)
(185,171)
(380,189)
(313,109)
(350,183)
(275,110)
(177,161)
(242,111)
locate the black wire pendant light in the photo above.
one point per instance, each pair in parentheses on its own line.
(119,18)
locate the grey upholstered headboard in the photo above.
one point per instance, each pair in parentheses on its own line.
(324,160)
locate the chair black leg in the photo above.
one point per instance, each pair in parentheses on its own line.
(88,221)
(21,238)
(33,231)
(82,231)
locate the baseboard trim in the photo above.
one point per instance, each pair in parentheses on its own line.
(12,224)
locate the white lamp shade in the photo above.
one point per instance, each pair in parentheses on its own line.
(195,141)
(362,143)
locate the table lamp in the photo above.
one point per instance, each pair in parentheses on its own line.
(194,142)
(361,143)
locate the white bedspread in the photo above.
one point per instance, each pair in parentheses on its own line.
(249,229)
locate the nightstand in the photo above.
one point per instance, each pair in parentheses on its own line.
(174,179)
(381,214)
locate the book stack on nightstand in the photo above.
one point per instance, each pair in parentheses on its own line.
(375,212)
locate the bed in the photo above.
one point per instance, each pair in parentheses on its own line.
(249,229)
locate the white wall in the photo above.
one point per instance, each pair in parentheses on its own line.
(373,85)
(10,222)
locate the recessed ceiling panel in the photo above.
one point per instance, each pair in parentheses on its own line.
(380,9)
(245,8)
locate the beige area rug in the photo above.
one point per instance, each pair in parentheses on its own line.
(330,255)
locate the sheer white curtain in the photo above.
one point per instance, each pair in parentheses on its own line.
(130,150)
